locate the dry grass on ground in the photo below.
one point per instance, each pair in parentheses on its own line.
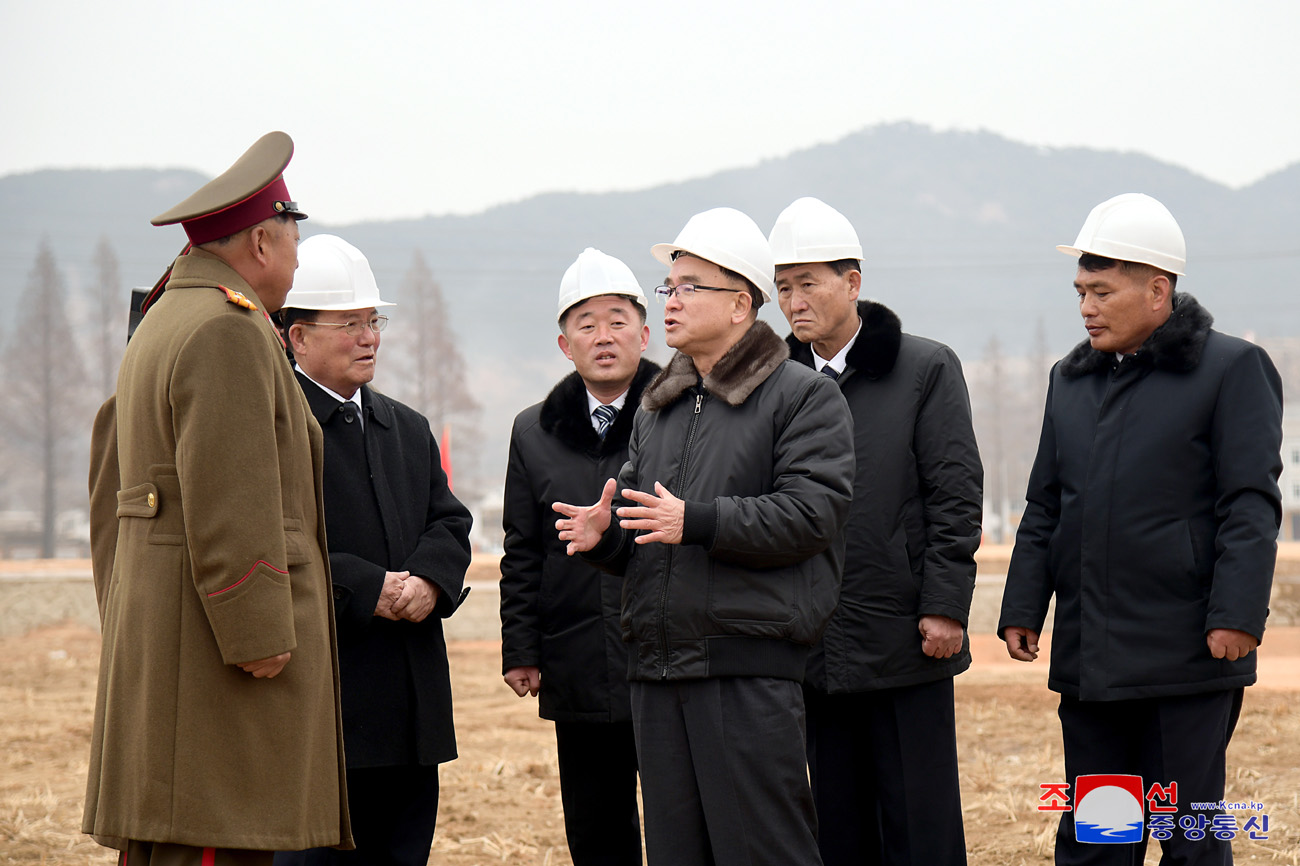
(500,801)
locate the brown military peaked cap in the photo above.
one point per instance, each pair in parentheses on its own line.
(243,195)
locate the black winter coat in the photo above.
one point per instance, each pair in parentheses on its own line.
(395,682)
(1153,511)
(761,451)
(558,612)
(914,524)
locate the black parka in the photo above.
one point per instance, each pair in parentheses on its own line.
(914,524)
(395,513)
(558,612)
(761,450)
(1152,513)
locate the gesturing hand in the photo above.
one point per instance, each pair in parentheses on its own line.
(660,513)
(583,525)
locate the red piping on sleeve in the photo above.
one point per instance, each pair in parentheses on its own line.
(247,575)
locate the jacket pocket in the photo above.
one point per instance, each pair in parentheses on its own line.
(159,502)
(753,601)
(138,501)
(1201,540)
(1164,567)
(900,593)
(297,550)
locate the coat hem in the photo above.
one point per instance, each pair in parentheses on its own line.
(1166,690)
(727,656)
(912,678)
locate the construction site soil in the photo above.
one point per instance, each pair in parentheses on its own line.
(501,799)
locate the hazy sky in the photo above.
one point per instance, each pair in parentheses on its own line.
(404,109)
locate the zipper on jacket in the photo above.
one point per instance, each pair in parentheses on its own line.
(668,570)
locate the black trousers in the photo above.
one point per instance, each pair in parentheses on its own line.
(1174,739)
(393,812)
(598,789)
(723,773)
(884,776)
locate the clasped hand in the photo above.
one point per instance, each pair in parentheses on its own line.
(406,597)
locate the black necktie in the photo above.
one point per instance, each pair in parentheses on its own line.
(605,416)
(830,372)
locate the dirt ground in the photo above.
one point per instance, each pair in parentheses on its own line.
(500,799)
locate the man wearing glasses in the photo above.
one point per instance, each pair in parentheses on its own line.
(731,509)
(398,548)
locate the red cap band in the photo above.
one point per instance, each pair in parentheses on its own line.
(238,216)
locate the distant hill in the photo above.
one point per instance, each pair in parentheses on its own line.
(958,228)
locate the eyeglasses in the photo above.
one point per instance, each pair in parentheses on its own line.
(353,328)
(666,292)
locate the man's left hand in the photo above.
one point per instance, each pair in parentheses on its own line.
(417,599)
(660,512)
(266,668)
(940,636)
(1230,644)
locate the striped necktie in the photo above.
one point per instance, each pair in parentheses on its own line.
(605,416)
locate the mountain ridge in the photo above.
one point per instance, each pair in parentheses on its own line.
(958,230)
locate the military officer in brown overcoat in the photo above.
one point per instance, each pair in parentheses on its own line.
(217,722)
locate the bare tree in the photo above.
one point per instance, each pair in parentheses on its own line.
(1007,396)
(110,305)
(47,391)
(1040,369)
(433,371)
(997,422)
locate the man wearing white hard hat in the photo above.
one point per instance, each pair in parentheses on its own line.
(882,747)
(1152,516)
(729,533)
(398,549)
(560,638)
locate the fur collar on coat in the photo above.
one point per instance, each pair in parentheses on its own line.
(565,415)
(744,367)
(1174,347)
(874,352)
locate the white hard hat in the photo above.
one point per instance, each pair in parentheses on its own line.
(810,230)
(1132,228)
(728,238)
(594,273)
(333,275)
